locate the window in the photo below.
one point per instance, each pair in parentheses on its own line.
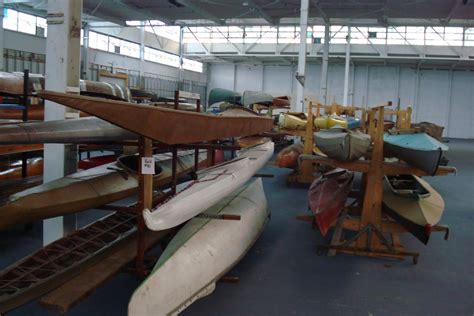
(192,65)
(161,57)
(113,45)
(23,22)
(159,28)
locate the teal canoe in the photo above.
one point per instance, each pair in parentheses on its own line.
(223,95)
(420,150)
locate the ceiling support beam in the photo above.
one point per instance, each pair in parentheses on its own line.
(347,67)
(261,12)
(320,11)
(199,10)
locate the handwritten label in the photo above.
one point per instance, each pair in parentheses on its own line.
(148,165)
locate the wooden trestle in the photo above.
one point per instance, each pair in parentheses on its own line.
(376,235)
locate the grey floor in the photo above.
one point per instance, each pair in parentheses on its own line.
(282,275)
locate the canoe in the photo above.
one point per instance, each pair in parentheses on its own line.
(292,121)
(417,213)
(223,95)
(93,162)
(35,112)
(12,83)
(12,170)
(432,129)
(288,156)
(254,97)
(407,186)
(327,197)
(341,144)
(81,130)
(183,106)
(281,102)
(87,189)
(419,150)
(104,90)
(164,125)
(329,121)
(211,186)
(201,253)
(250,141)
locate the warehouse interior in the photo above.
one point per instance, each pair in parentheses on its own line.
(284,195)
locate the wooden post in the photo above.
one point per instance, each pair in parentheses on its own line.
(144,202)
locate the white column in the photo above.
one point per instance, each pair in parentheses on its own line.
(62,74)
(181,51)
(347,67)
(300,74)
(323,90)
(1,36)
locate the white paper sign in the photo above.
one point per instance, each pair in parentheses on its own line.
(148,165)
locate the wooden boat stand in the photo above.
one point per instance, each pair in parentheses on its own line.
(371,226)
(308,170)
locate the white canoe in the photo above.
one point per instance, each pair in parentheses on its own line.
(201,253)
(211,186)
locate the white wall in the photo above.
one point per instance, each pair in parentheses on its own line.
(433,95)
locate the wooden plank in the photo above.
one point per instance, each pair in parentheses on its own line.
(14,149)
(63,298)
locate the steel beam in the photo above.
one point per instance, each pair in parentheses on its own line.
(261,12)
(300,74)
(347,67)
(323,88)
(199,10)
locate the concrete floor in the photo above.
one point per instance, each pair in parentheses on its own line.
(282,275)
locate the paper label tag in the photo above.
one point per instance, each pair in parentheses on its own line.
(148,165)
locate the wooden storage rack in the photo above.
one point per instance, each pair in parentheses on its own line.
(371,226)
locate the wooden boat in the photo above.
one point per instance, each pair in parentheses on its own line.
(12,83)
(164,125)
(327,197)
(341,144)
(35,112)
(254,97)
(292,121)
(432,129)
(281,102)
(182,106)
(12,170)
(418,211)
(223,95)
(211,186)
(201,253)
(104,90)
(87,189)
(97,161)
(250,141)
(81,130)
(406,186)
(288,156)
(419,150)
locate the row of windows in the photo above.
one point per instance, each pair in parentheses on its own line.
(392,35)
(23,22)
(35,25)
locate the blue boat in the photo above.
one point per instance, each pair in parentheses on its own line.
(419,150)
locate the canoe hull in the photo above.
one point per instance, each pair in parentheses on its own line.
(81,130)
(223,95)
(425,160)
(211,186)
(200,254)
(327,197)
(253,97)
(342,145)
(80,191)
(417,215)
(164,125)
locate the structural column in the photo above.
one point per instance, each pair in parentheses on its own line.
(142,56)
(300,74)
(85,52)
(323,90)
(2,67)
(62,74)
(347,67)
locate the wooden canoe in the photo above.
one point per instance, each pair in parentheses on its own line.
(327,197)
(164,125)
(341,144)
(416,213)
(281,102)
(12,170)
(210,187)
(86,189)
(81,130)
(288,156)
(201,253)
(12,83)
(35,112)
(419,150)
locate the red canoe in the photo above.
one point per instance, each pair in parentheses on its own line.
(327,197)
